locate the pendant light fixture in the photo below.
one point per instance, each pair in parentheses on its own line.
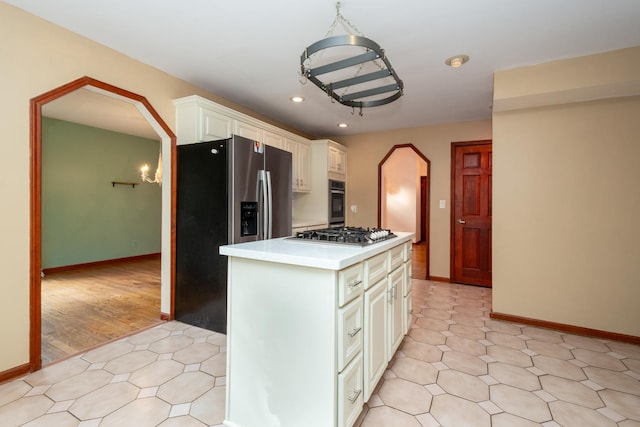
(351,68)
(144,171)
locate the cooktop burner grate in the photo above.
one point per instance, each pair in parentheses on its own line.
(357,236)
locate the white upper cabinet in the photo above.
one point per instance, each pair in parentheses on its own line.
(273,139)
(304,167)
(214,126)
(301,154)
(196,122)
(198,119)
(337,161)
(249,131)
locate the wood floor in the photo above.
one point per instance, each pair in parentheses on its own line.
(419,262)
(87,307)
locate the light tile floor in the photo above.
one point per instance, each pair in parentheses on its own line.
(456,368)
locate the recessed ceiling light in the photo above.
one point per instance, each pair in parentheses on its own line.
(342,125)
(457,61)
(297,99)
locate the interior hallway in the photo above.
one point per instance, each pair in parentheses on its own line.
(456,368)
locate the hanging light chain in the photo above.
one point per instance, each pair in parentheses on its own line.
(350,29)
(348,26)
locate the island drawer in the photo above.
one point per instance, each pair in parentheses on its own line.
(350,396)
(349,332)
(375,269)
(408,251)
(396,257)
(349,283)
(408,312)
(408,282)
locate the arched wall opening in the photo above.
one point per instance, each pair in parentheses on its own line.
(168,147)
(403,193)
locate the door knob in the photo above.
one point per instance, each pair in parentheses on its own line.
(462,221)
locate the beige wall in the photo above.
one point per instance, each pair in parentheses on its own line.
(566,239)
(37,57)
(434,142)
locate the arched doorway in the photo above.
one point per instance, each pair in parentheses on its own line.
(403,197)
(168,143)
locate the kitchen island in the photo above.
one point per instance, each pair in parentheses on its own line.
(311,328)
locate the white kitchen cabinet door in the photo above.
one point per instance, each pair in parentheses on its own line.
(304,167)
(375,337)
(301,164)
(213,126)
(408,282)
(249,131)
(396,316)
(407,311)
(337,161)
(273,139)
(292,147)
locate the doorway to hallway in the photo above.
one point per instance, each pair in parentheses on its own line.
(403,195)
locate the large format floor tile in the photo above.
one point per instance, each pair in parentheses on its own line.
(502,374)
(456,368)
(151,378)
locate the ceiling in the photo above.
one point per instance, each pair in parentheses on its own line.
(248,51)
(92,108)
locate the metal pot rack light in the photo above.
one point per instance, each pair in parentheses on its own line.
(374,88)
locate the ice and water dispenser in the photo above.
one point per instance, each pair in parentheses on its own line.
(248,219)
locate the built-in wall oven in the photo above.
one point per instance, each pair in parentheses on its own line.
(336,203)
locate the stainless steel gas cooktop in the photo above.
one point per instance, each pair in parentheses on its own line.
(356,236)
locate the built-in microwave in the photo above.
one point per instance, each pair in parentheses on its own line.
(336,203)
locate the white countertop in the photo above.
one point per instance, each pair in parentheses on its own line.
(308,222)
(329,256)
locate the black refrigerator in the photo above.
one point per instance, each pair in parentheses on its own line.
(228,191)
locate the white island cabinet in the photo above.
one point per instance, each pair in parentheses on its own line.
(298,322)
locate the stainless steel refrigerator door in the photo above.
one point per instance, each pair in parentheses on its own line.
(246,162)
(279,163)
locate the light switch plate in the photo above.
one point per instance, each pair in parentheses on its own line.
(443,204)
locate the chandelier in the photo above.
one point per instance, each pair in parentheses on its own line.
(351,68)
(158,176)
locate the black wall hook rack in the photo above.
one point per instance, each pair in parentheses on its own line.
(132,184)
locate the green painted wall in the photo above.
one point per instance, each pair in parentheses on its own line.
(84,217)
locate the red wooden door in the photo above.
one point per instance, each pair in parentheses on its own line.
(471,220)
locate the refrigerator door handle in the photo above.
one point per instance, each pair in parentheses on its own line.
(269,200)
(260,195)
